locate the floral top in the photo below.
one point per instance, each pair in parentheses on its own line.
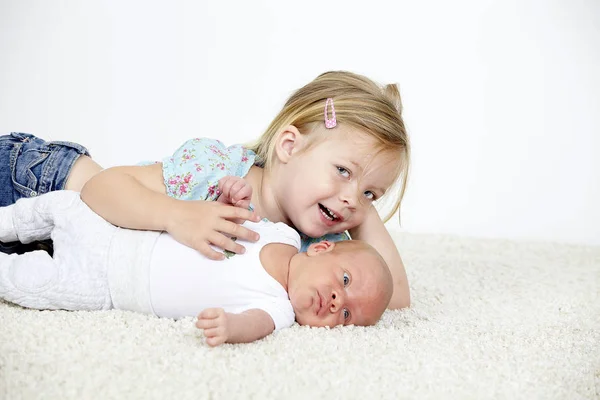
(194,170)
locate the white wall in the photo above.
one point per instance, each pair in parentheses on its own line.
(502,98)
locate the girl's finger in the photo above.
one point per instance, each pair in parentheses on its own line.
(231,213)
(238,231)
(243,203)
(226,243)
(209,252)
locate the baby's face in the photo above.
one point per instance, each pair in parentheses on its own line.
(332,289)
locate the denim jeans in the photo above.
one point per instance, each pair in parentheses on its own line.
(30,166)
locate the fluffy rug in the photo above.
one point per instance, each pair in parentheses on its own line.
(490,319)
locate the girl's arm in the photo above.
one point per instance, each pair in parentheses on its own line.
(221,327)
(130,196)
(135,197)
(374,232)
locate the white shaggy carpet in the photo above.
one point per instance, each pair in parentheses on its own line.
(490,319)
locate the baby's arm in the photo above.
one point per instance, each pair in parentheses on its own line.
(374,232)
(221,327)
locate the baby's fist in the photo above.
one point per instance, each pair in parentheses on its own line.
(213,321)
(235,191)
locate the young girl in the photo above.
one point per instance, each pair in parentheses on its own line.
(338,145)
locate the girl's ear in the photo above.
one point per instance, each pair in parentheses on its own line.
(287,143)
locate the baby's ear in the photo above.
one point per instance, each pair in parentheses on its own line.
(324,246)
(287,142)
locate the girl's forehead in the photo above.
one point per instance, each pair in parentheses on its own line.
(367,158)
(351,137)
(356,142)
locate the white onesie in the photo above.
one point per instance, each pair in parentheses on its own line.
(99,266)
(183,281)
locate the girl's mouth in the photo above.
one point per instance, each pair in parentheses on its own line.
(327,213)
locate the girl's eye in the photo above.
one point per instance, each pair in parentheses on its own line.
(346,279)
(343,172)
(346,314)
(370,195)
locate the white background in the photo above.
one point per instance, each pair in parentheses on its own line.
(502,98)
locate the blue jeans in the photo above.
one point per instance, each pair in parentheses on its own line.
(30,166)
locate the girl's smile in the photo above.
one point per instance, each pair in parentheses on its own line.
(329,217)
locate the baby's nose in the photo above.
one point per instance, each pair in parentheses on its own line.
(336,301)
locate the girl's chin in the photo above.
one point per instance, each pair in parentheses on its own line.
(312,224)
(310,229)
(314,233)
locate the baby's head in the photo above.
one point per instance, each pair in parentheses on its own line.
(337,283)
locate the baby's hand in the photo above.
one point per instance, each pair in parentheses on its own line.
(235,191)
(214,323)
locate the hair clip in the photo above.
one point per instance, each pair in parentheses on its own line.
(330,123)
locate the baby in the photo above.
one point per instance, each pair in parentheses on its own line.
(97,266)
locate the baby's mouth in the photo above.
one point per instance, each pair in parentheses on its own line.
(319,303)
(327,213)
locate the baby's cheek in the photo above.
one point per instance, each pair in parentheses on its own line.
(301,318)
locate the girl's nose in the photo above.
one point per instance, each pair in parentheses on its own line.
(348,196)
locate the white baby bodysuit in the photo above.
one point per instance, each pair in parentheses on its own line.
(99,266)
(183,281)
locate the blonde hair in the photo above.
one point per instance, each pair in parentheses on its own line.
(360,103)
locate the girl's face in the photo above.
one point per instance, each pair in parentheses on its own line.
(330,187)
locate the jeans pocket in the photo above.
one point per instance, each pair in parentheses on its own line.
(28,168)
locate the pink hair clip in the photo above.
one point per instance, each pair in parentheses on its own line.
(330,123)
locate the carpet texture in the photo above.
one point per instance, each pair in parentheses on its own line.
(491,319)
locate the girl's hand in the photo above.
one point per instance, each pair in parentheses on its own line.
(213,321)
(135,197)
(235,191)
(199,224)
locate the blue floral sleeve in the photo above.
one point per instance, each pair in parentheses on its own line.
(194,170)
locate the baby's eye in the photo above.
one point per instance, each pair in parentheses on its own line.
(346,279)
(343,172)
(346,314)
(370,195)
